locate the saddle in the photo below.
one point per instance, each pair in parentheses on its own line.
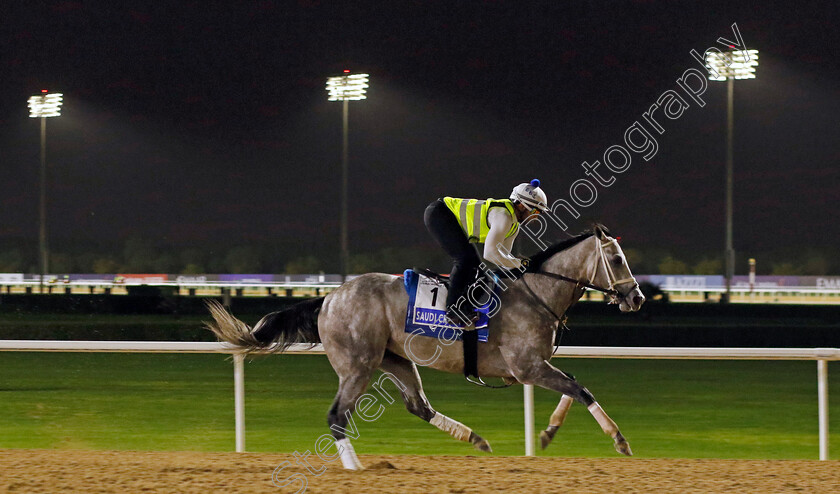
(488,278)
(469,337)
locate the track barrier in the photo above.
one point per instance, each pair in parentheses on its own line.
(820,355)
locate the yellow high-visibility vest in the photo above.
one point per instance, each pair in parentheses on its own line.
(472,216)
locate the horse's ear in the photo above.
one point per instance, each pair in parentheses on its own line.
(600,230)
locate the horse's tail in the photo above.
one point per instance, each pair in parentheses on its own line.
(274,332)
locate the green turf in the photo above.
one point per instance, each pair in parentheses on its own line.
(691,409)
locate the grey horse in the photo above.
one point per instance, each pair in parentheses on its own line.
(361,326)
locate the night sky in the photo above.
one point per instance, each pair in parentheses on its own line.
(206,124)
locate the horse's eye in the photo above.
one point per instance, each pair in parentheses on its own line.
(616,260)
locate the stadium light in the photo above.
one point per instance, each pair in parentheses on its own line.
(346,88)
(350,87)
(728,66)
(44,106)
(738,64)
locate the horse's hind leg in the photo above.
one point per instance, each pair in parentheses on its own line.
(340,417)
(403,373)
(547,376)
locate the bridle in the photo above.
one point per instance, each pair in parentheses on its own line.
(610,290)
(611,279)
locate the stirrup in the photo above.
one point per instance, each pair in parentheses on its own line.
(480,382)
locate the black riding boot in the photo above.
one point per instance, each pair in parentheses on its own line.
(444,227)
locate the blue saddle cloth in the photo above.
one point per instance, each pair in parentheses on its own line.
(426,313)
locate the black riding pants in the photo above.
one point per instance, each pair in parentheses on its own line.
(444,227)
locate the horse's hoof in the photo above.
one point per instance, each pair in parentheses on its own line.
(623,447)
(545,439)
(354,465)
(483,445)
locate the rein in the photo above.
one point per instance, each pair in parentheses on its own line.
(611,291)
(538,299)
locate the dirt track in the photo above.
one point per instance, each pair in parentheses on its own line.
(93,471)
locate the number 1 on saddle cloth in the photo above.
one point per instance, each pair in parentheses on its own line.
(426,311)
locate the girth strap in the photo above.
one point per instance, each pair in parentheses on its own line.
(470,340)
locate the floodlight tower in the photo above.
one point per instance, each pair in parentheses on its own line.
(728,66)
(346,88)
(44,106)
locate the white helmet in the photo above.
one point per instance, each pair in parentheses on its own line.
(531,195)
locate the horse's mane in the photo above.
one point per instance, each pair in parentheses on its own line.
(538,259)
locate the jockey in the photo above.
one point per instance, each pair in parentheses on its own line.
(456,223)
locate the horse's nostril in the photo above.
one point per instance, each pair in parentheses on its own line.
(637,300)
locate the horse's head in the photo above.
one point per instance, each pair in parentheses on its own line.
(611,271)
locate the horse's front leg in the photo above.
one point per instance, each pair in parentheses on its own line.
(556,420)
(547,376)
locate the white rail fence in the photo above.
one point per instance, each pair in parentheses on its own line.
(821,355)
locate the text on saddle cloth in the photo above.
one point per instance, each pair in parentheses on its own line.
(426,312)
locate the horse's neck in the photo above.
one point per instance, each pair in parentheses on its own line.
(575,262)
